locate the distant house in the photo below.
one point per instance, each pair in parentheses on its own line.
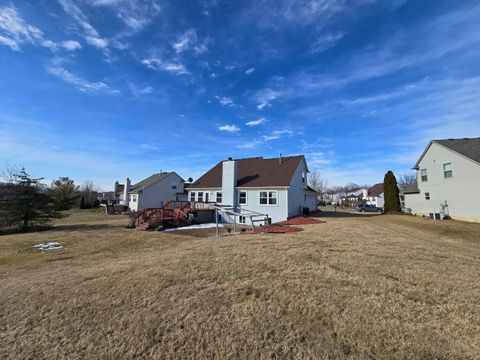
(276,187)
(448,180)
(152,192)
(375,195)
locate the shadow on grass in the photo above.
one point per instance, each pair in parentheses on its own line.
(342,214)
(79,227)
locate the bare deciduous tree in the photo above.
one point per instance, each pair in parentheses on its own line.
(7,174)
(318,184)
(405,180)
(89,193)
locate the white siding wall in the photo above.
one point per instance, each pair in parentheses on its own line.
(229,181)
(460,191)
(311,201)
(377,201)
(276,212)
(296,193)
(158,194)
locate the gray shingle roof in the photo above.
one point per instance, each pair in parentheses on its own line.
(254,172)
(469,147)
(148,181)
(411,188)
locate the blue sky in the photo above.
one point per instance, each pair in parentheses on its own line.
(104,89)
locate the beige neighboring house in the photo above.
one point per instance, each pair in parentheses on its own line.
(152,192)
(448,180)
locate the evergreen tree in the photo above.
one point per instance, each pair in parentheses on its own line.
(96,203)
(64,193)
(391,193)
(26,204)
(83,205)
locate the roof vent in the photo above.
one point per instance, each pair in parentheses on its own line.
(230,158)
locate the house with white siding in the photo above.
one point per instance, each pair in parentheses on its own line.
(152,192)
(448,180)
(374,196)
(275,187)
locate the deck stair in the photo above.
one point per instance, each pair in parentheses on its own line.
(173,213)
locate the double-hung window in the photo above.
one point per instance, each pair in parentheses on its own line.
(242,198)
(447,170)
(200,196)
(192,196)
(219,197)
(268,198)
(424,175)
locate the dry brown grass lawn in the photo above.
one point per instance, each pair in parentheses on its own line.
(355,287)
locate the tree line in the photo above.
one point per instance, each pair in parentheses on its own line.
(26,203)
(391,188)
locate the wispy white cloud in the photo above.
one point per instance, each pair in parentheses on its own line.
(250,71)
(226,101)
(325,42)
(443,36)
(91,35)
(264,97)
(172,67)
(57,69)
(135,14)
(256,122)
(229,128)
(71,45)
(14,31)
(140,91)
(277,134)
(188,41)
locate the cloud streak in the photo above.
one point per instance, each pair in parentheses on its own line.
(171,67)
(91,35)
(229,128)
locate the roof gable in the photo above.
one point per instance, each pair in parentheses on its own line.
(153,179)
(376,190)
(254,172)
(467,147)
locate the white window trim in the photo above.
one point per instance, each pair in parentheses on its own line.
(451,170)
(246,197)
(267,204)
(198,196)
(216,197)
(426,174)
(194,193)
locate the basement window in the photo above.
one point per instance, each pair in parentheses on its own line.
(447,170)
(424,175)
(427,196)
(192,196)
(242,219)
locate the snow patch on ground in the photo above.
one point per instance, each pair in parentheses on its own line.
(198,226)
(51,245)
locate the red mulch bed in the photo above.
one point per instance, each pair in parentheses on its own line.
(302,221)
(276,229)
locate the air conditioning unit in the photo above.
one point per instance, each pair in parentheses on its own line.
(436,216)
